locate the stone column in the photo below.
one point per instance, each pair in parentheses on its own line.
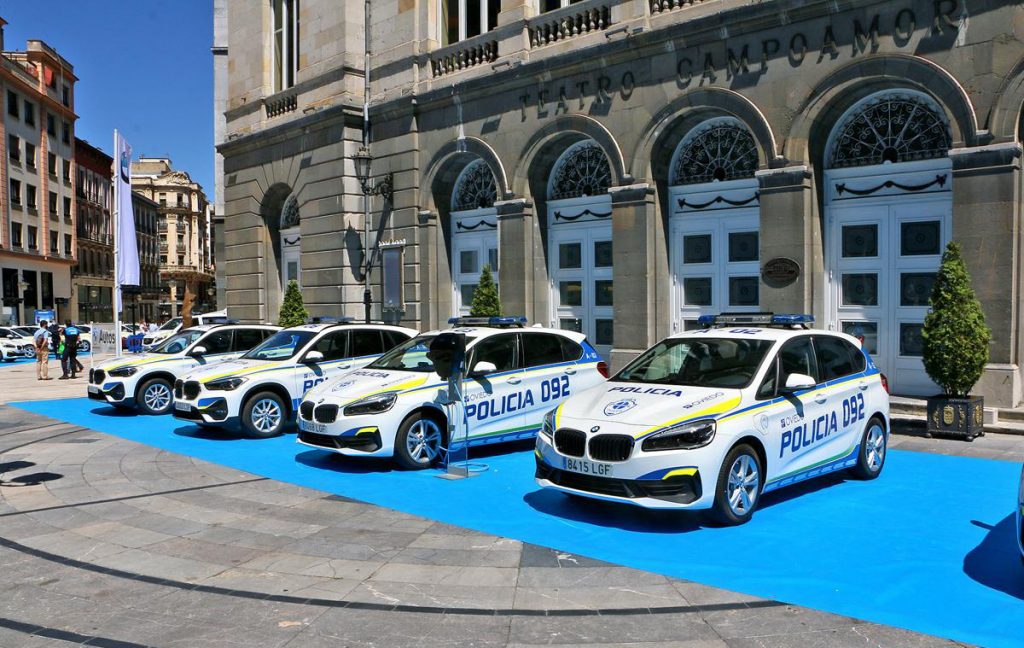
(522,270)
(640,272)
(435,302)
(790,229)
(986,223)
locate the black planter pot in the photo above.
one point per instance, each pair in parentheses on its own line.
(962,418)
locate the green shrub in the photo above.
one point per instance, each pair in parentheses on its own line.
(955,335)
(485,297)
(293,312)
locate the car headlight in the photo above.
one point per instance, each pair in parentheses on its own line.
(687,436)
(225,384)
(547,428)
(372,404)
(123,372)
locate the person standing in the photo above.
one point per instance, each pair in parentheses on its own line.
(70,361)
(42,344)
(55,343)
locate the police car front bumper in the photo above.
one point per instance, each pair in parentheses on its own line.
(113,392)
(655,480)
(353,436)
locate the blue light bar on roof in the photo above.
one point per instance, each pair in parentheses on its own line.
(756,319)
(496,322)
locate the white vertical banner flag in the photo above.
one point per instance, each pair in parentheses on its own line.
(125,248)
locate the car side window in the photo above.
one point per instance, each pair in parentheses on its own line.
(333,345)
(570,350)
(246,339)
(365,342)
(501,350)
(393,339)
(835,357)
(770,385)
(541,349)
(797,357)
(217,342)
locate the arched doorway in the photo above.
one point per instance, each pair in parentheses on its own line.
(580,243)
(474,232)
(714,226)
(888,216)
(291,248)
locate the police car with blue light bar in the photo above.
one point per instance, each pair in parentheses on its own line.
(715,417)
(260,391)
(396,405)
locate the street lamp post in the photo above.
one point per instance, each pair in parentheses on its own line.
(384,188)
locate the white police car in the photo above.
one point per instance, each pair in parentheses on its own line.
(395,406)
(261,390)
(146,381)
(13,349)
(712,418)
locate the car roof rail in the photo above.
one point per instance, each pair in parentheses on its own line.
(780,320)
(491,322)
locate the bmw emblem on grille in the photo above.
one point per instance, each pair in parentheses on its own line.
(619,406)
(594,429)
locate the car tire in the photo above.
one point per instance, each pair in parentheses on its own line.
(738,489)
(264,415)
(419,441)
(871,455)
(84,347)
(155,396)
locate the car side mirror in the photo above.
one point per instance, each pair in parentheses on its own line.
(314,357)
(483,368)
(799,382)
(199,351)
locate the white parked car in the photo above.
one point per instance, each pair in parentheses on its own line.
(713,418)
(146,381)
(17,340)
(261,390)
(395,405)
(173,325)
(12,350)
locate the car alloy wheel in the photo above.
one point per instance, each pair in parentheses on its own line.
(743,485)
(423,441)
(266,415)
(157,397)
(875,447)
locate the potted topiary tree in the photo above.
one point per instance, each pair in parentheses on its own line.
(955,350)
(485,298)
(293,312)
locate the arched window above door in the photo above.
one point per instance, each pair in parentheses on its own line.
(290,212)
(892,127)
(715,151)
(475,188)
(582,170)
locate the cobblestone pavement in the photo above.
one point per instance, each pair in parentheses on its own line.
(110,543)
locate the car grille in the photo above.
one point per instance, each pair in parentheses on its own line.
(326,413)
(363,442)
(97,376)
(306,410)
(570,442)
(190,389)
(322,440)
(611,447)
(679,490)
(177,388)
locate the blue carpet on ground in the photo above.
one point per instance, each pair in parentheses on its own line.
(929,546)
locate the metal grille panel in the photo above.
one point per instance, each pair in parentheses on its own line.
(611,447)
(570,442)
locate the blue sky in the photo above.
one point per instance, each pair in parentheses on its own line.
(143,67)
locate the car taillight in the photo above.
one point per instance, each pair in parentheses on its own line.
(885,383)
(602,368)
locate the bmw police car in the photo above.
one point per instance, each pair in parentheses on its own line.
(146,381)
(713,418)
(395,405)
(261,390)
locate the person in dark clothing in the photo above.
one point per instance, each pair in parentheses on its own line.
(70,360)
(55,339)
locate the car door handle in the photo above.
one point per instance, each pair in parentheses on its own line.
(344,366)
(821,399)
(862,385)
(570,370)
(514,380)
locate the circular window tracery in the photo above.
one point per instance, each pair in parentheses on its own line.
(890,128)
(290,212)
(475,188)
(715,151)
(582,170)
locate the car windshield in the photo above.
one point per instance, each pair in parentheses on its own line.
(178,343)
(410,355)
(698,362)
(172,324)
(280,346)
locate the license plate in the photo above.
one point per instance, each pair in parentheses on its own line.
(93,389)
(310,426)
(182,407)
(585,467)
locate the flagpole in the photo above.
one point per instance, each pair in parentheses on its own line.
(117,218)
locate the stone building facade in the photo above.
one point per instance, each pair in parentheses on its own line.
(92,277)
(37,190)
(629,165)
(183,231)
(146,297)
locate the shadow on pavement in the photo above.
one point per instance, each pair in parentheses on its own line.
(210,433)
(341,464)
(996,562)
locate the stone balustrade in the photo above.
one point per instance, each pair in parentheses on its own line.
(568,23)
(661,6)
(281,104)
(463,56)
